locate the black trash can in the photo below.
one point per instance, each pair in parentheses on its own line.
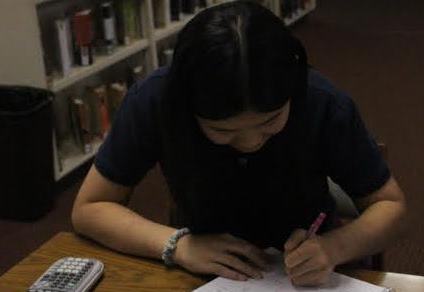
(26,152)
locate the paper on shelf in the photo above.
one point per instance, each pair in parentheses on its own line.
(275,280)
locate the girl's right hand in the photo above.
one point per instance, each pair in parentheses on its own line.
(219,254)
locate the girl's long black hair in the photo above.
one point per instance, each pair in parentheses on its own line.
(229,58)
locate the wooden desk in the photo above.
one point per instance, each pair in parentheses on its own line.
(128,273)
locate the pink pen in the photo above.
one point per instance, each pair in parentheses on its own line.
(315,226)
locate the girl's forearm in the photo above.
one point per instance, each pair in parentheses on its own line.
(121,229)
(378,226)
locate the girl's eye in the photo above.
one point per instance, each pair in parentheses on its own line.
(269,123)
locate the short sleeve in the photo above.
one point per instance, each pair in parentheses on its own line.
(130,148)
(354,159)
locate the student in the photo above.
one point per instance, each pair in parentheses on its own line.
(246,134)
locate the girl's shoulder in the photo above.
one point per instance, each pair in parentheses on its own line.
(144,95)
(322,92)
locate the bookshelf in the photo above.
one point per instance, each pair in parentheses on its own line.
(76,159)
(24,57)
(101,62)
(171,29)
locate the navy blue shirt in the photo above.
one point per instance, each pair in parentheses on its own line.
(262,196)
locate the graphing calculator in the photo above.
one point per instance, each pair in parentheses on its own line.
(70,274)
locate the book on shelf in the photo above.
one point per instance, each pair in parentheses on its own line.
(57,146)
(308,4)
(91,115)
(286,9)
(295,6)
(135,74)
(49,66)
(116,94)
(167,57)
(64,45)
(176,10)
(83,37)
(189,6)
(109,38)
(97,98)
(81,124)
(128,21)
(158,14)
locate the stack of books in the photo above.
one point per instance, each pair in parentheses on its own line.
(92,112)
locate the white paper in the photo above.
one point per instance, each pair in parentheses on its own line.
(275,280)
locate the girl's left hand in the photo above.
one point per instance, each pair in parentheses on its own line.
(308,263)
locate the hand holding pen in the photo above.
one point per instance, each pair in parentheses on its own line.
(306,256)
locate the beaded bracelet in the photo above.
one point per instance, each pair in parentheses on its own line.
(171,245)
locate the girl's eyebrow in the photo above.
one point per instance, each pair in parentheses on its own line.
(263,123)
